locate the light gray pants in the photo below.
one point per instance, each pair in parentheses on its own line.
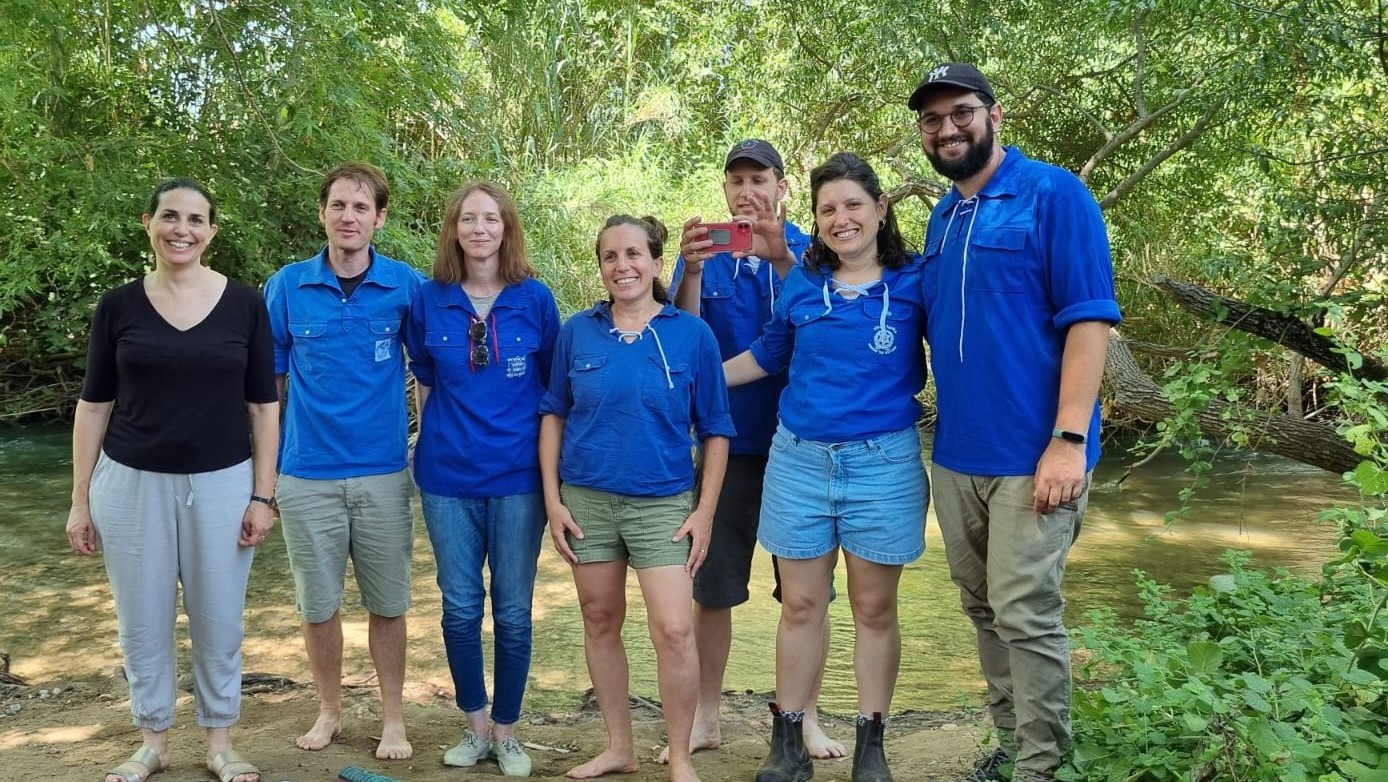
(158,530)
(1008,561)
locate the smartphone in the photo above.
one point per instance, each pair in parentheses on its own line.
(729,237)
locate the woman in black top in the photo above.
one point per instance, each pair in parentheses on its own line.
(173,458)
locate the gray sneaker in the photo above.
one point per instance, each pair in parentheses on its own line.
(511,757)
(470,750)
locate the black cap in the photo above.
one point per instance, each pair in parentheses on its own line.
(951,74)
(757,151)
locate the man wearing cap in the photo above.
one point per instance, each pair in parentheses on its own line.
(734,293)
(1019,300)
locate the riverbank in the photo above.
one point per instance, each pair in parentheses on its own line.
(59,731)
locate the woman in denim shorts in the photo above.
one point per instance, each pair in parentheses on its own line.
(632,377)
(845,468)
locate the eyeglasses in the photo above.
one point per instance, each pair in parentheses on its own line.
(480,355)
(961,116)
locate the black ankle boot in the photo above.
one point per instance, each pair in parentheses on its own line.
(789,761)
(869,761)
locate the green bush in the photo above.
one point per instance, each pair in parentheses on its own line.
(1254,677)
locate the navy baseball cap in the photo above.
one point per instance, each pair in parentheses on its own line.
(757,151)
(951,74)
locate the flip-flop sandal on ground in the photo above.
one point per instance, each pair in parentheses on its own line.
(141,766)
(229,765)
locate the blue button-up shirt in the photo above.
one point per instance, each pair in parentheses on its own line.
(629,407)
(736,298)
(1007,273)
(345,415)
(855,364)
(479,433)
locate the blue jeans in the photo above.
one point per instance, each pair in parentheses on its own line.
(506,532)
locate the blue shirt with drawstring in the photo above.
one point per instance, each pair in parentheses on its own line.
(345,416)
(1007,273)
(479,432)
(736,300)
(629,408)
(856,361)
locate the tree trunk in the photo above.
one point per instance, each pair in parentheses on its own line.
(1134,394)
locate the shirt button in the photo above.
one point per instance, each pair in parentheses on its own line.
(445,339)
(306,332)
(344,299)
(587,366)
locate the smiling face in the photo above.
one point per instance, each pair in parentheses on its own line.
(848,218)
(746,181)
(628,270)
(349,216)
(959,153)
(180,228)
(481,228)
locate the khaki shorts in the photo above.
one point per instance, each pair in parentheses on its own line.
(637,529)
(366,518)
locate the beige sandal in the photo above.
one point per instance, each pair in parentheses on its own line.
(142,765)
(229,765)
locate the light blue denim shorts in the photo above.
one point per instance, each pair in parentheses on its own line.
(868,496)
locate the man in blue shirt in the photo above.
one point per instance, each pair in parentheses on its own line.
(344,487)
(1018,289)
(734,294)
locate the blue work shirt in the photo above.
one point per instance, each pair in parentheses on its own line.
(628,408)
(1007,273)
(855,364)
(345,415)
(479,433)
(736,298)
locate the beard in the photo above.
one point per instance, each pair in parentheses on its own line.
(975,158)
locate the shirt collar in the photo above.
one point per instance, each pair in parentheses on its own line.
(377,273)
(1005,181)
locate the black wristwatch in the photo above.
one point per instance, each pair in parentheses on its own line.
(265,500)
(1070,437)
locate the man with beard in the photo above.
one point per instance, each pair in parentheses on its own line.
(1019,300)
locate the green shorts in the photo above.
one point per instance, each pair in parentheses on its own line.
(637,529)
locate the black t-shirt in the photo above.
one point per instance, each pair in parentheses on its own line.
(180,396)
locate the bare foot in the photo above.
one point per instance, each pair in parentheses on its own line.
(608,762)
(683,772)
(702,737)
(820,745)
(394,745)
(145,763)
(324,730)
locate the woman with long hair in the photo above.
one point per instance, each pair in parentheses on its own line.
(481,336)
(845,470)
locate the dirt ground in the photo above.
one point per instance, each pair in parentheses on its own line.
(60,731)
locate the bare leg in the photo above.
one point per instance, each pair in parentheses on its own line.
(877,646)
(602,598)
(323,640)
(387,639)
(820,745)
(668,592)
(800,636)
(713,636)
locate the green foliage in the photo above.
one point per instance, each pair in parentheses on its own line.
(1254,677)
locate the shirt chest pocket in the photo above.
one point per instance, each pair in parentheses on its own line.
(661,391)
(812,330)
(385,339)
(884,336)
(998,261)
(516,350)
(588,380)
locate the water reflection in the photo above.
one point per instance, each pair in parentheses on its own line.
(56,617)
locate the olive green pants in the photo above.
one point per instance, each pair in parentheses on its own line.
(1008,561)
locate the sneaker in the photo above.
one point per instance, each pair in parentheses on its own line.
(991,768)
(470,750)
(511,758)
